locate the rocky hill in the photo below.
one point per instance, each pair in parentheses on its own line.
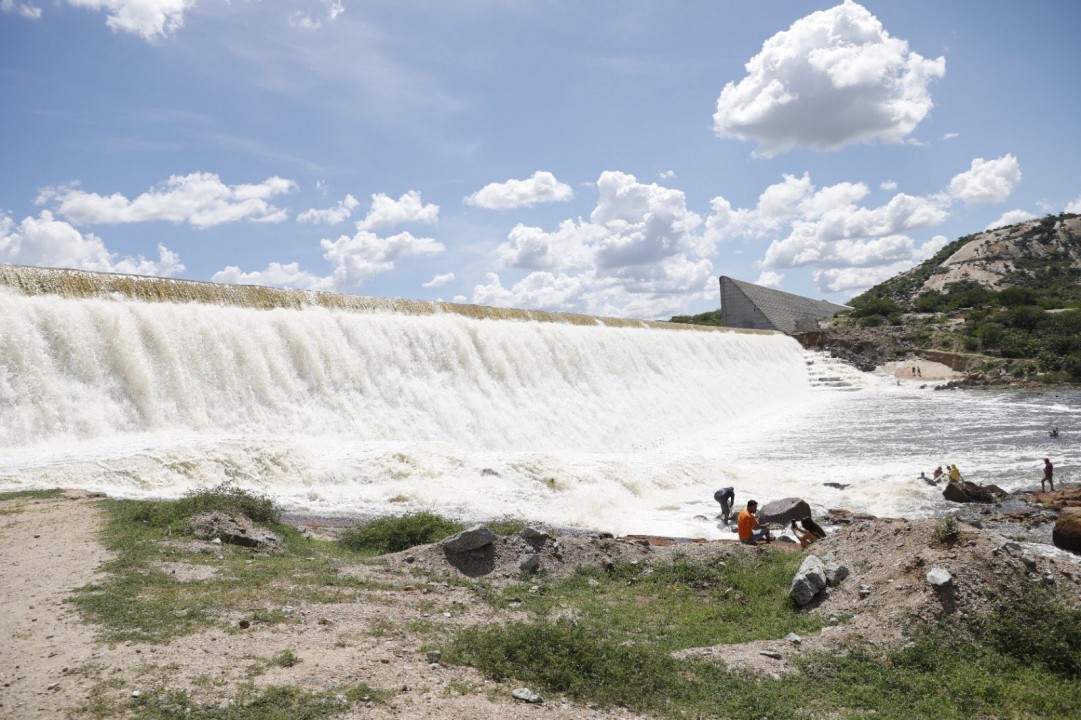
(1043,255)
(1002,306)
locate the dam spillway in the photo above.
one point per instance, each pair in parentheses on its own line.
(167,384)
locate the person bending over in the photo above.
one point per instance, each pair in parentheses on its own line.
(805,537)
(726,496)
(750,532)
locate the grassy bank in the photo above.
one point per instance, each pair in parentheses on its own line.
(602,638)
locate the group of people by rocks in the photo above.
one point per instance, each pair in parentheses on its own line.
(751,532)
(953,475)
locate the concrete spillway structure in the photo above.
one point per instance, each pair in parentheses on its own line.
(746,305)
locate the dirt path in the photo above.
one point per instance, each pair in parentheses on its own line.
(47,549)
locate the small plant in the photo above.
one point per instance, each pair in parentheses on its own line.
(285,659)
(946,531)
(394,534)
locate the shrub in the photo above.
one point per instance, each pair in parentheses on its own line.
(225,497)
(394,534)
(946,532)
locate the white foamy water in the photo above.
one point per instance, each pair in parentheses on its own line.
(626,429)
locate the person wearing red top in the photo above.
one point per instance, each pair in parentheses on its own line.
(750,532)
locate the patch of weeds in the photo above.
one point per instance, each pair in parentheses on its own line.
(138,601)
(394,534)
(269,703)
(946,532)
(379,627)
(174,515)
(680,604)
(285,659)
(31,494)
(458,688)
(506,526)
(1022,660)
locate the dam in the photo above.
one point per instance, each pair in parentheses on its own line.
(148,387)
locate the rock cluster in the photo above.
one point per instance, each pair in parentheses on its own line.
(813,577)
(234,530)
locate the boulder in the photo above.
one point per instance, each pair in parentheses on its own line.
(970,492)
(1067,531)
(233,529)
(783,511)
(939,577)
(809,580)
(475,537)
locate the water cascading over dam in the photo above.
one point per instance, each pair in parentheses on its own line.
(149,386)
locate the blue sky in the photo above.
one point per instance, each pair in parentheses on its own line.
(610,158)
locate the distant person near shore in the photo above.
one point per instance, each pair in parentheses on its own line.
(750,532)
(726,496)
(955,474)
(1048,474)
(937,474)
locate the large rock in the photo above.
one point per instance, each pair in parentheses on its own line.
(784,511)
(475,537)
(809,580)
(234,529)
(970,492)
(1067,531)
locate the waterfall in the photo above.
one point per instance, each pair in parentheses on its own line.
(150,387)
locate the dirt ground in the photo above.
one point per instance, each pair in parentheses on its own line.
(50,661)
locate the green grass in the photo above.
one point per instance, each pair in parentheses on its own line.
(31,494)
(681,604)
(139,601)
(394,534)
(1023,660)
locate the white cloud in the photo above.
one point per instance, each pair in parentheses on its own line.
(1011,217)
(640,254)
(327,10)
(987,181)
(365,255)
(276,275)
(833,78)
(49,242)
(950,135)
(199,199)
(149,19)
(439,280)
(330,216)
(888,185)
(769,278)
(541,188)
(354,259)
(1074,207)
(24,10)
(853,280)
(667,174)
(387,212)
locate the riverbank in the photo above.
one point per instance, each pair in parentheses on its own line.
(365,635)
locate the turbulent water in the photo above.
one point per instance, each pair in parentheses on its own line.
(361,407)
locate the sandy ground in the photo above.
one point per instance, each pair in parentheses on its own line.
(47,549)
(50,662)
(919,369)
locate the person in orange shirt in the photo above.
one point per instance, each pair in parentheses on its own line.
(750,532)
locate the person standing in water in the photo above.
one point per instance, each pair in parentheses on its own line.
(726,496)
(1048,475)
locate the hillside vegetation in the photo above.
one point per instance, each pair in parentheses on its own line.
(1012,295)
(1005,302)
